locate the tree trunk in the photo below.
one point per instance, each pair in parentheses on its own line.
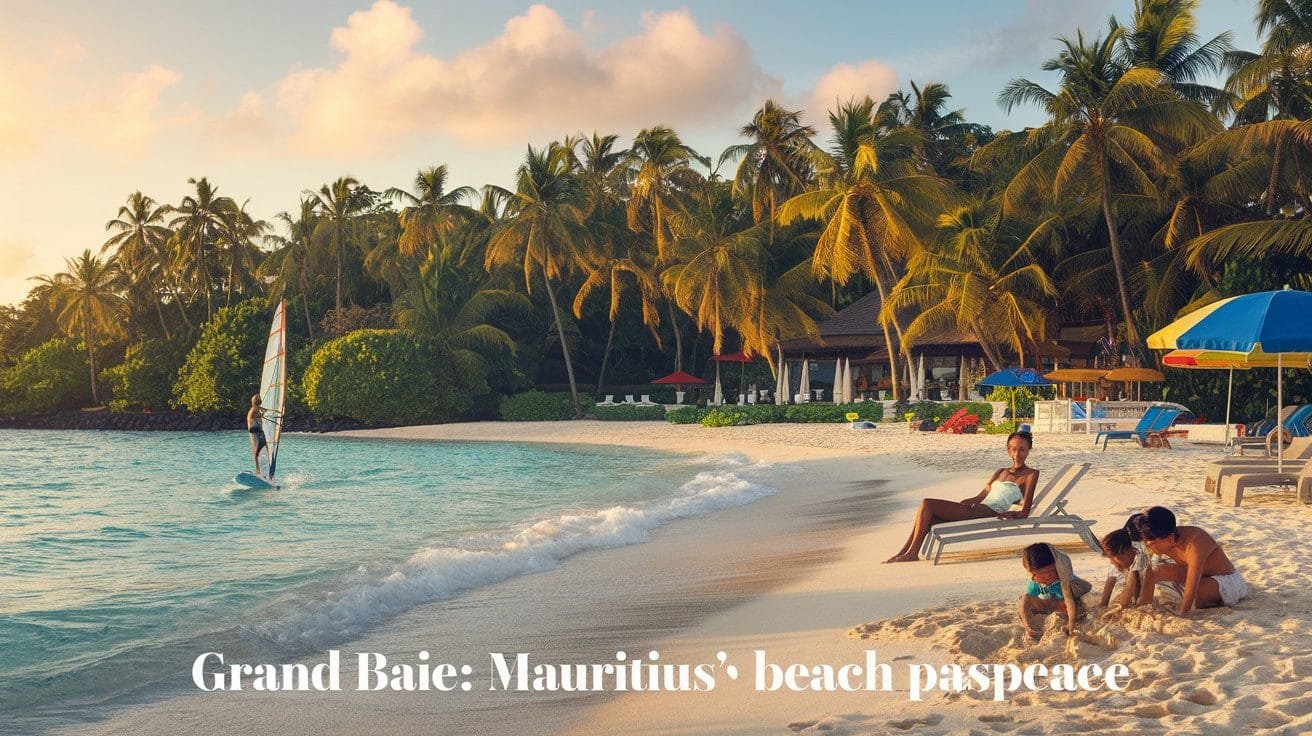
(205,281)
(888,339)
(339,272)
(305,302)
(897,328)
(1131,334)
(154,297)
(605,359)
(1272,186)
(564,346)
(678,338)
(91,353)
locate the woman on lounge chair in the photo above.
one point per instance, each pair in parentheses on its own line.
(1007,487)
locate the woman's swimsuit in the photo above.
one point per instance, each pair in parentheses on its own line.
(1003,494)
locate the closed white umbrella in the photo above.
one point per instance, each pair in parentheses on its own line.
(920,378)
(805,388)
(785,384)
(779,386)
(849,391)
(838,381)
(718,399)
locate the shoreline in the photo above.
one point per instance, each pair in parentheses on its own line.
(798,575)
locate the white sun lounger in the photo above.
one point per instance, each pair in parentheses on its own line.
(1050,519)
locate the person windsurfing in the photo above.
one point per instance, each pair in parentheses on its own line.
(254,417)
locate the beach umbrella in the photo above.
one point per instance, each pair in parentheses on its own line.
(920,378)
(805,388)
(849,390)
(1014,378)
(1231,361)
(1076,375)
(838,382)
(1134,375)
(718,399)
(680,380)
(742,360)
(1273,322)
(785,384)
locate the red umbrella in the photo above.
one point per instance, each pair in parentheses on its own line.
(737,357)
(679,378)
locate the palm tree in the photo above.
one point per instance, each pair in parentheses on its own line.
(614,256)
(946,137)
(870,199)
(199,221)
(140,246)
(777,163)
(293,256)
(339,205)
(448,301)
(89,301)
(978,280)
(237,238)
(662,168)
(1110,135)
(1163,36)
(431,212)
(542,230)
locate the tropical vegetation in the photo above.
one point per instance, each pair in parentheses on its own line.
(1170,171)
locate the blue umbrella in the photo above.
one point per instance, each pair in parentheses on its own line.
(1014,378)
(1270,321)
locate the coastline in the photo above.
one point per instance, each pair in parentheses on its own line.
(795,575)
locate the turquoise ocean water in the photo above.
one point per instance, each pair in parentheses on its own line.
(123,555)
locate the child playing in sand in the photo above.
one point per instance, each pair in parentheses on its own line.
(1121,551)
(1204,572)
(1053,587)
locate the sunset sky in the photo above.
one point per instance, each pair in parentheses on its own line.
(268,99)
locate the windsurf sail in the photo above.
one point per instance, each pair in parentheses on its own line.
(273,383)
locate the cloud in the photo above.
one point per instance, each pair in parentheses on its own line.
(52,92)
(845,81)
(15,257)
(126,119)
(538,77)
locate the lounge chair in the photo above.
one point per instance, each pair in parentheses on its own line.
(1294,421)
(610,401)
(1233,486)
(1051,519)
(646,401)
(1153,422)
(628,399)
(1295,456)
(959,422)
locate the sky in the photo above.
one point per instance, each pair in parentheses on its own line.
(269,99)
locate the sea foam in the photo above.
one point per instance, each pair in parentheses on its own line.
(436,573)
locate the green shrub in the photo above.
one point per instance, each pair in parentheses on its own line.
(941,410)
(686,415)
(726,416)
(390,377)
(52,376)
(1024,398)
(870,411)
(537,406)
(144,380)
(1006,427)
(628,413)
(222,370)
(813,413)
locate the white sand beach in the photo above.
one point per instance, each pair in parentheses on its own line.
(798,576)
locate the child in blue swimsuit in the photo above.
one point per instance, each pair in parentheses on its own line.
(1053,587)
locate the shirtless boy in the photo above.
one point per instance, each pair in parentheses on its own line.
(1207,576)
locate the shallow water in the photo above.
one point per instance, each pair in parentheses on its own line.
(126,554)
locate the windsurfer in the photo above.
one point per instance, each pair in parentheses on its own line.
(258,440)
